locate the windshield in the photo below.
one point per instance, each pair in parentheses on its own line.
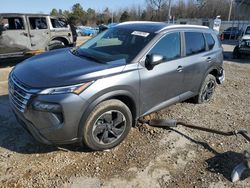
(247,31)
(114,44)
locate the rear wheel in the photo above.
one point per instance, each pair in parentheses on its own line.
(207,90)
(107,125)
(56,44)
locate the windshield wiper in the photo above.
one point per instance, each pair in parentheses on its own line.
(76,52)
(91,57)
(80,53)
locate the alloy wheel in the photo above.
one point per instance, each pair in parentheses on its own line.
(109,127)
(208,90)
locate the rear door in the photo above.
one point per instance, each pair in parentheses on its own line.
(198,58)
(39,32)
(14,38)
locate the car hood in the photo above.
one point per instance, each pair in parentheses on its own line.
(246,37)
(61,68)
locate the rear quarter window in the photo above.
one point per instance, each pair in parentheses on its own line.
(195,43)
(58,23)
(210,41)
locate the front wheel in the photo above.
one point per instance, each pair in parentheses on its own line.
(107,125)
(207,90)
(236,52)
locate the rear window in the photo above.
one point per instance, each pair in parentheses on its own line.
(210,41)
(195,43)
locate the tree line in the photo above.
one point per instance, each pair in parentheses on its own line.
(153,10)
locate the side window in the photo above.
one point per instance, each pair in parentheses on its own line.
(210,41)
(58,23)
(247,30)
(12,23)
(195,43)
(38,23)
(169,47)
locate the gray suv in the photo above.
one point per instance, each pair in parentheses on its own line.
(94,93)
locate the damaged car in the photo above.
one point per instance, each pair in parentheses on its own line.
(25,34)
(94,94)
(243,48)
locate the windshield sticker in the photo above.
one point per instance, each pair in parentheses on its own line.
(140,33)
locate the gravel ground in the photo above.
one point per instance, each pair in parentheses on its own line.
(149,157)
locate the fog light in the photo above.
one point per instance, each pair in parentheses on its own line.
(46,107)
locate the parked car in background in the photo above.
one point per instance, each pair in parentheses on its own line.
(103,27)
(22,34)
(243,48)
(94,93)
(86,31)
(231,33)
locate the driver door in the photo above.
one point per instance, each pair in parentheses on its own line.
(162,85)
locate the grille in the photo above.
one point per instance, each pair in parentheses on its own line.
(248,43)
(19,94)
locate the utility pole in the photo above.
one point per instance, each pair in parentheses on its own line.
(230,10)
(169,11)
(112,17)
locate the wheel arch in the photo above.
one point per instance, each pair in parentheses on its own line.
(62,39)
(124,96)
(213,71)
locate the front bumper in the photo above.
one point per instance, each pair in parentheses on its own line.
(244,50)
(50,127)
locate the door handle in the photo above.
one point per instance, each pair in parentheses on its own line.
(179,69)
(25,34)
(209,59)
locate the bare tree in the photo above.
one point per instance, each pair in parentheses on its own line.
(157,6)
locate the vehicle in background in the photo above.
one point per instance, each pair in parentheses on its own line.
(22,34)
(86,31)
(231,33)
(243,48)
(112,25)
(103,27)
(94,93)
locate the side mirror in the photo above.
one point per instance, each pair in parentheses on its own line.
(152,60)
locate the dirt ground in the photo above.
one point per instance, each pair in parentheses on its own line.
(149,157)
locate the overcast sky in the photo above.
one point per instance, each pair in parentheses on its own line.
(45,6)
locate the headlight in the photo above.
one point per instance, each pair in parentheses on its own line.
(77,89)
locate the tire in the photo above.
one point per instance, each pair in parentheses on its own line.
(100,131)
(207,90)
(236,53)
(56,44)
